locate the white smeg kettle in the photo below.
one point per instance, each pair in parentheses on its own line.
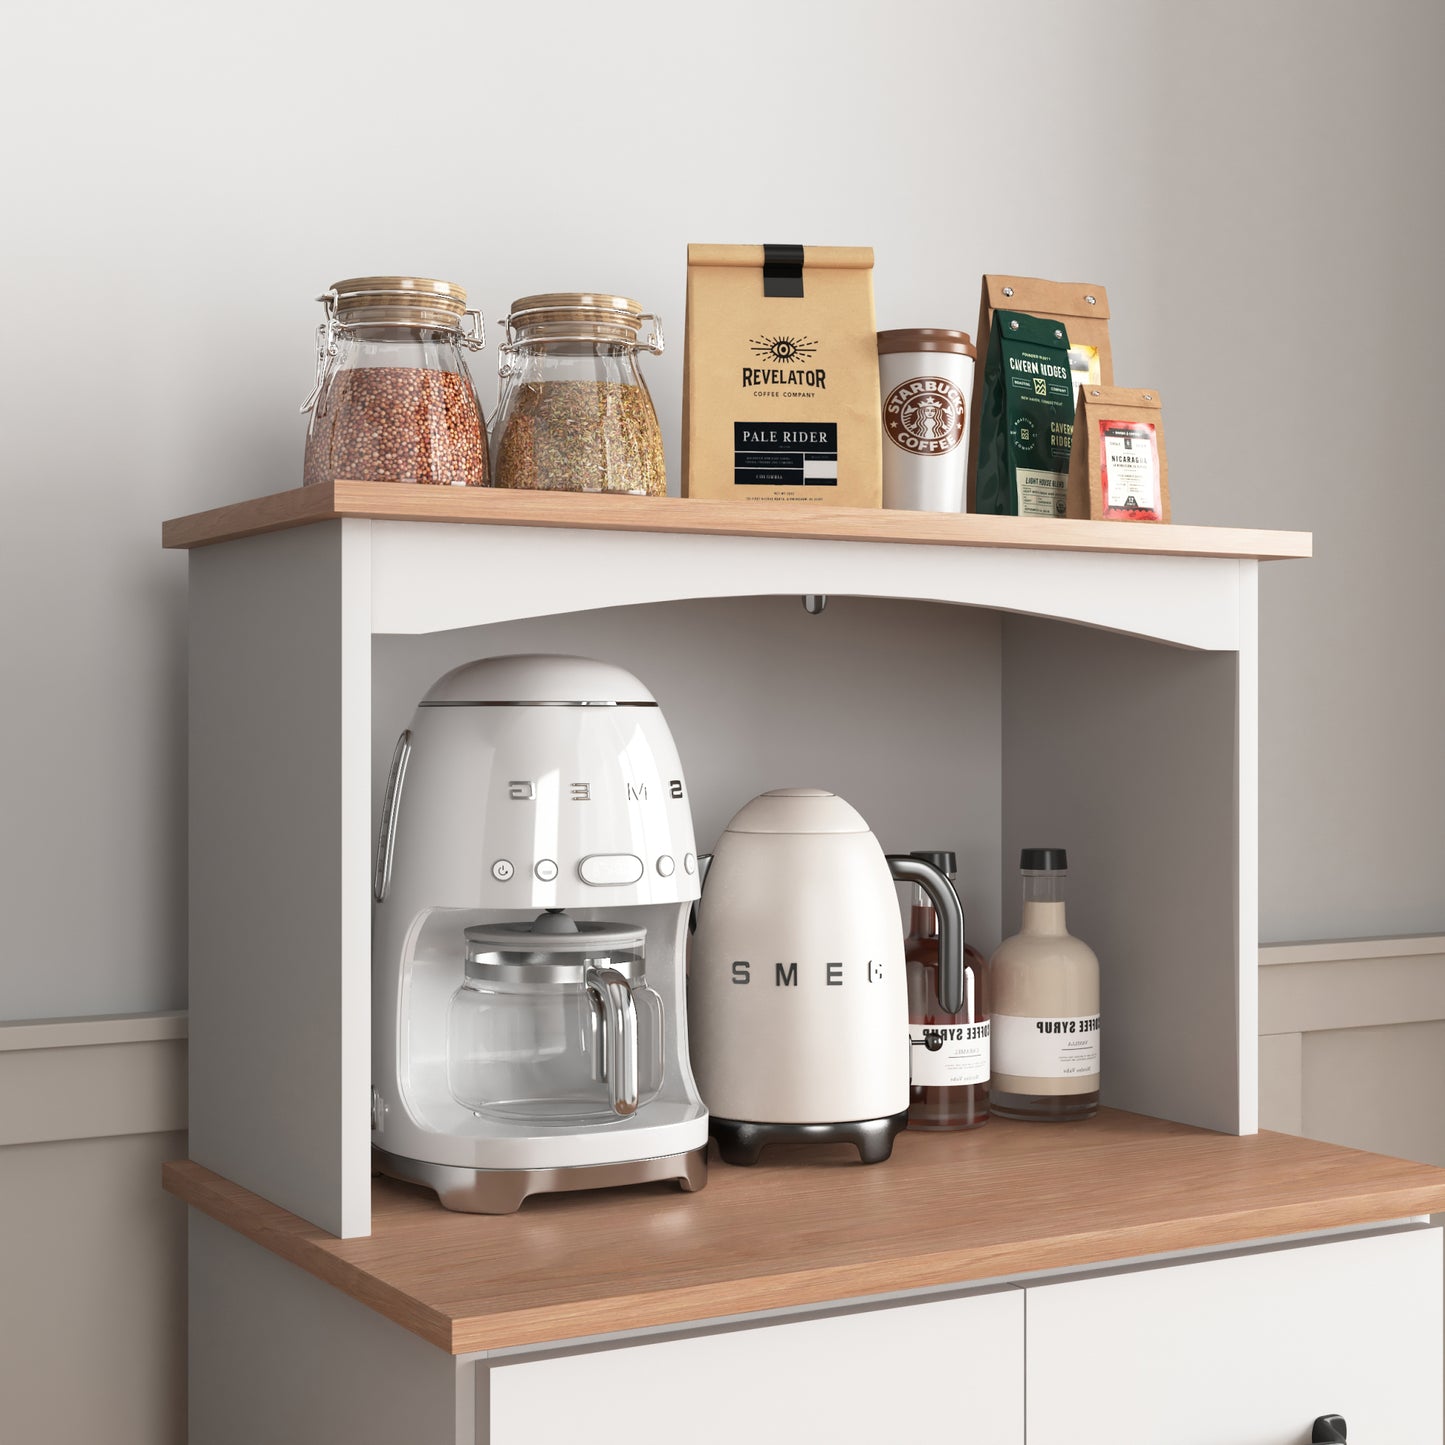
(797,995)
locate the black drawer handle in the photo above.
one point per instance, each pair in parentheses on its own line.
(1328,1430)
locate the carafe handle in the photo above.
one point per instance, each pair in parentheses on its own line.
(613,994)
(934,882)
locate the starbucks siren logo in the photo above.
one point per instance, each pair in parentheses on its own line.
(924,416)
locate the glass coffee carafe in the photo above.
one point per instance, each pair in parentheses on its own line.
(554,1023)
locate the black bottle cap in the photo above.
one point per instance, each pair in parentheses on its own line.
(944,862)
(1044,860)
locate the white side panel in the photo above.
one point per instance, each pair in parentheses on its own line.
(426,579)
(280,687)
(1246,783)
(281,1358)
(1123,752)
(951,1370)
(1248,1350)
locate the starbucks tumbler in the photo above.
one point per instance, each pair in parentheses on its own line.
(926,378)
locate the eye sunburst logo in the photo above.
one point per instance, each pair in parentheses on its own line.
(784,348)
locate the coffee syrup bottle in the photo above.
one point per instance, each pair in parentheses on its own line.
(949,1052)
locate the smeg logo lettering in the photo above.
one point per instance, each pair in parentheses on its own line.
(829,974)
(524,790)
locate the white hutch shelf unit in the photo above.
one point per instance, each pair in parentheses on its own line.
(1100,694)
(974,683)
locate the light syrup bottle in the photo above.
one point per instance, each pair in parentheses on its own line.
(949,1053)
(1045,989)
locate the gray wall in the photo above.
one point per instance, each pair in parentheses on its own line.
(1255,185)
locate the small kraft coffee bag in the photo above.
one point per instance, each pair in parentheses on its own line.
(780,375)
(1027,427)
(1118,471)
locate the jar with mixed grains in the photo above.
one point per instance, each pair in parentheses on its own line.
(574,414)
(394,401)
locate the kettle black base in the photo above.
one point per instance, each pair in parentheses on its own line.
(741,1142)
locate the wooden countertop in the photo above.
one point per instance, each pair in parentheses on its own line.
(808,1226)
(406,502)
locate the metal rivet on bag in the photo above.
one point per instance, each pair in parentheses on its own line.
(1058,335)
(1090,300)
(1095,392)
(1008,290)
(1148,396)
(1013,326)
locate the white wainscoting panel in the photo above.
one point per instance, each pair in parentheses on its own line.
(1352,1043)
(92,1251)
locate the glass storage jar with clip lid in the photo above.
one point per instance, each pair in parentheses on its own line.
(393,400)
(573,412)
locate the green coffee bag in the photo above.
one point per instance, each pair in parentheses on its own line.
(1027,426)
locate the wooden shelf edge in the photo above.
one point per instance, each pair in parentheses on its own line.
(1383,1190)
(296,1241)
(485,506)
(857,1283)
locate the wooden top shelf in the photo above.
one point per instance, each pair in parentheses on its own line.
(808,1226)
(404,502)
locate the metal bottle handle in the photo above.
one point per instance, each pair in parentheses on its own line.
(619,1035)
(950,924)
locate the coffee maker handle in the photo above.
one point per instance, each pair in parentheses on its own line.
(704,862)
(941,892)
(619,1036)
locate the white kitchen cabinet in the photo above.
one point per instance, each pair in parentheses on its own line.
(948,1369)
(1245,1349)
(988,682)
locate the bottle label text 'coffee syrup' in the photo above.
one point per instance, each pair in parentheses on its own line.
(1046,1048)
(949,1055)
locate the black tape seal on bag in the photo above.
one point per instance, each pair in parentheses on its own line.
(782,271)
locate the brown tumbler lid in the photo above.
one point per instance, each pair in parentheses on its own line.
(925,338)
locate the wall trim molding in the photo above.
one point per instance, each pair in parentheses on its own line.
(1318,988)
(92,1029)
(1352,950)
(1306,988)
(92,1077)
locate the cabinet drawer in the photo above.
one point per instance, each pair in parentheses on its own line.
(1245,1350)
(955,1366)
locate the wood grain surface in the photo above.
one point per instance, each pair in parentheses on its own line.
(811,1225)
(405,502)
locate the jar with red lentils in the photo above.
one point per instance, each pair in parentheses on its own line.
(394,401)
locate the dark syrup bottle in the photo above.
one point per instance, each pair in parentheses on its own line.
(949,1053)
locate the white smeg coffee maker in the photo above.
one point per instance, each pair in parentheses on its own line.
(535,869)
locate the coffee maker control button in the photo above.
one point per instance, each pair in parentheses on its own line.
(502,870)
(610,870)
(689,863)
(546,870)
(665,865)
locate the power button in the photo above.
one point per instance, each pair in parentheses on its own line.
(502,869)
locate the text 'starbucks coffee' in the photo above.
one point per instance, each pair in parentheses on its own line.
(1027,425)
(780,375)
(925,378)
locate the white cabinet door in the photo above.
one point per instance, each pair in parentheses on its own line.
(947,1370)
(1246,1350)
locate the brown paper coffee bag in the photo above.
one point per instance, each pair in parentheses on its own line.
(1118,470)
(780,375)
(1084,311)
